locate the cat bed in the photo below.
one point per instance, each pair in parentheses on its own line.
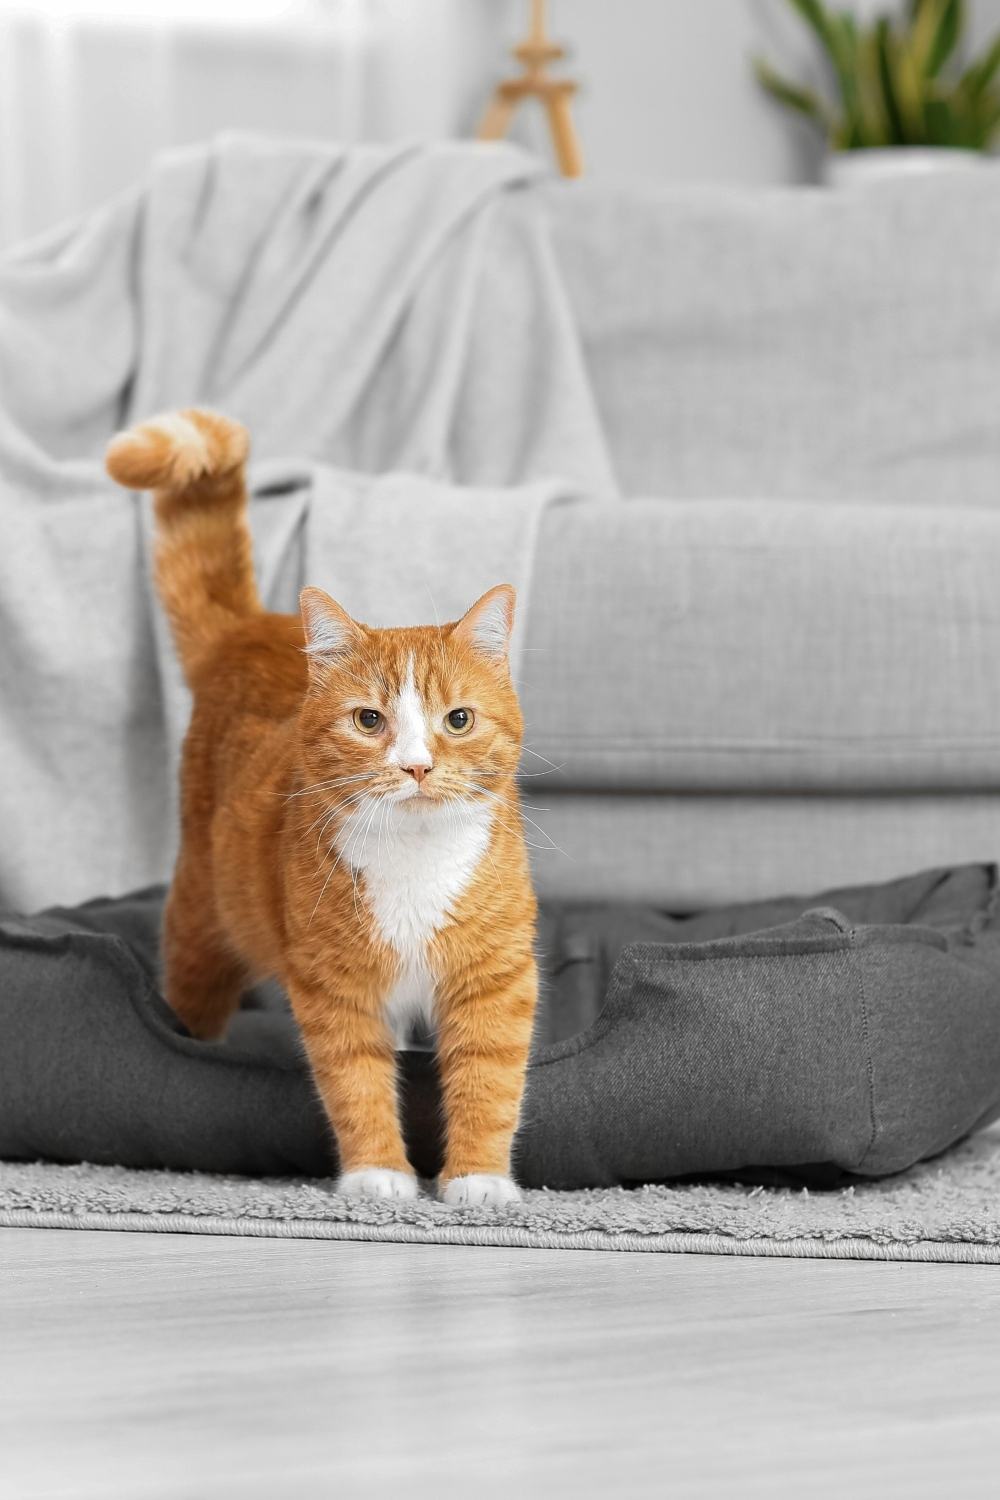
(856,1033)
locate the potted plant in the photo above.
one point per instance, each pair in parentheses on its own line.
(899,101)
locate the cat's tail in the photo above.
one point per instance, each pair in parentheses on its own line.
(194,463)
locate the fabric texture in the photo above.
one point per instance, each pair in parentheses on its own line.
(856,1033)
(944,1210)
(696,307)
(767,647)
(368,312)
(689,851)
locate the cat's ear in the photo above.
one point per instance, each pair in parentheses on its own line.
(330,631)
(486,627)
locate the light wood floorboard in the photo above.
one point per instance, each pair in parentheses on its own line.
(134,1367)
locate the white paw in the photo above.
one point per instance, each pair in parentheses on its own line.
(480,1191)
(378,1182)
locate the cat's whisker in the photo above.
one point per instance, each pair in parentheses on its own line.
(464,814)
(325,786)
(551,846)
(539,756)
(472,786)
(354,874)
(522,775)
(544,833)
(356,814)
(333,807)
(327,815)
(333,867)
(319,898)
(381,826)
(535,806)
(332,814)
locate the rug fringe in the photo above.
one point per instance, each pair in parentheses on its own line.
(675,1242)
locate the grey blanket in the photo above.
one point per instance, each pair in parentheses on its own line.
(373,312)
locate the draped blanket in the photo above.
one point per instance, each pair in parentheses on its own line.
(391,325)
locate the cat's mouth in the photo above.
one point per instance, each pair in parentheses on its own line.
(417,798)
(414,795)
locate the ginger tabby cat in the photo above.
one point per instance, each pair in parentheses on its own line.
(349,824)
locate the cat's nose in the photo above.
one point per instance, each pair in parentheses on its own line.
(417,772)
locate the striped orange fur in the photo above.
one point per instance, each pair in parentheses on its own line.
(349,823)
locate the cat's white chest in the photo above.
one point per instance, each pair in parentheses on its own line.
(414,866)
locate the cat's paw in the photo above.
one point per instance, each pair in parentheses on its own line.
(378,1182)
(480,1191)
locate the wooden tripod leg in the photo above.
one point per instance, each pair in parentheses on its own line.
(497,118)
(564,137)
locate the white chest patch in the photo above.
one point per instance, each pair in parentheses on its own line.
(414,867)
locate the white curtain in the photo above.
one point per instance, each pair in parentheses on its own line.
(89,92)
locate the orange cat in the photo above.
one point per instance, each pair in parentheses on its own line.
(349,823)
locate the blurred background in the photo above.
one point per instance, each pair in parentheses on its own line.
(90,90)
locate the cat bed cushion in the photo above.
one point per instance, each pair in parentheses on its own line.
(858,1032)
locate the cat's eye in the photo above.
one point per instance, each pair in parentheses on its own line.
(368,720)
(459,721)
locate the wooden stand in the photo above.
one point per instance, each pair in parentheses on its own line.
(535,56)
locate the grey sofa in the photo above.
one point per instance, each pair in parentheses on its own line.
(768,667)
(781,671)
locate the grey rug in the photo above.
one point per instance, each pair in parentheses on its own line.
(944,1210)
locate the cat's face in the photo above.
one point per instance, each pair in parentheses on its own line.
(414,718)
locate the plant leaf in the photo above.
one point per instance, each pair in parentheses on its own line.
(943,123)
(816,15)
(844,41)
(910,95)
(892,78)
(803,100)
(987,120)
(875,117)
(947,32)
(885,43)
(831,33)
(980,75)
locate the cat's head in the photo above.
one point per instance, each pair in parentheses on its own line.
(418,717)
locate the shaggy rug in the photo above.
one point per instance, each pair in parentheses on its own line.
(945,1210)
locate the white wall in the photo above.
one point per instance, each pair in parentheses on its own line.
(91,89)
(668,93)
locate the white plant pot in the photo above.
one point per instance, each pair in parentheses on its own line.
(848,169)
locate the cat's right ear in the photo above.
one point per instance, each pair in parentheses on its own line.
(330,631)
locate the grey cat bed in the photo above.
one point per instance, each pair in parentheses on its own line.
(855,1033)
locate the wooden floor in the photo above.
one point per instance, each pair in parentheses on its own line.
(137,1365)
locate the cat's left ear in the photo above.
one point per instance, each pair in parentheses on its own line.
(487,626)
(330,631)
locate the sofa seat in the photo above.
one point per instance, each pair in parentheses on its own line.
(765,646)
(688,850)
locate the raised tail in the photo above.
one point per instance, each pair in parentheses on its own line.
(194,463)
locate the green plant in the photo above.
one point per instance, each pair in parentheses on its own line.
(896,80)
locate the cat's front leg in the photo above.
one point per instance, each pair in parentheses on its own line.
(484,1036)
(353,1061)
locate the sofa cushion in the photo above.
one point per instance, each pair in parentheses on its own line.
(799,344)
(752,646)
(686,851)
